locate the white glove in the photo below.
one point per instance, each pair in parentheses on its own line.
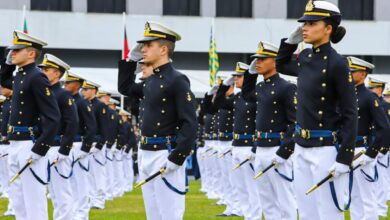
(33,156)
(170,167)
(135,53)
(81,154)
(59,157)
(252,67)
(296,36)
(229,81)
(8,60)
(94,150)
(213,90)
(367,161)
(279,160)
(113,150)
(339,169)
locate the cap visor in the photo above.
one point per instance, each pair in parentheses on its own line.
(261,56)
(237,74)
(16,47)
(310,18)
(146,39)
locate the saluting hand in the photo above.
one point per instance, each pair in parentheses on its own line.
(296,36)
(252,67)
(135,53)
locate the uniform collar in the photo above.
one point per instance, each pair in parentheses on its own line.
(27,67)
(324,48)
(360,87)
(76,96)
(162,68)
(56,86)
(272,78)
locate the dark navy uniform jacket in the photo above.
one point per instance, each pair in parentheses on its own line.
(210,124)
(5,113)
(386,107)
(33,104)
(276,111)
(244,114)
(87,123)
(132,139)
(224,113)
(69,119)
(373,122)
(326,96)
(169,110)
(102,121)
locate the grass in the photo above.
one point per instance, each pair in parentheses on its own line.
(131,206)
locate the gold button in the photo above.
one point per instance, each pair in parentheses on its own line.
(274,102)
(19,122)
(21,92)
(322,98)
(158,123)
(272,121)
(318,50)
(154,146)
(21,82)
(24,73)
(321,138)
(323,84)
(320,125)
(299,64)
(310,55)
(276,112)
(320,112)
(324,71)
(325,57)
(162,111)
(161,86)
(20,113)
(155,135)
(272,92)
(164,99)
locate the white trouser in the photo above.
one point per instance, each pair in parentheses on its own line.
(199,153)
(161,203)
(225,165)
(363,193)
(98,178)
(118,173)
(60,187)
(4,175)
(80,184)
(310,166)
(276,193)
(381,184)
(28,195)
(245,185)
(128,171)
(215,183)
(109,178)
(209,168)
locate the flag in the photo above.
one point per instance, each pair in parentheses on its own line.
(24,20)
(125,50)
(213,57)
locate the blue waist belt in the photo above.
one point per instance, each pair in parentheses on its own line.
(225,134)
(309,134)
(243,136)
(77,138)
(269,135)
(22,129)
(158,140)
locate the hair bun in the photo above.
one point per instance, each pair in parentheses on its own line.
(338,34)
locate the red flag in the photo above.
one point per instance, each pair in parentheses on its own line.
(126,49)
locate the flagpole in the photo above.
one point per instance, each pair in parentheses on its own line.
(24,27)
(123,53)
(213,41)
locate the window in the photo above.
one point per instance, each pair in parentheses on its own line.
(234,8)
(181,7)
(104,6)
(359,10)
(51,5)
(295,8)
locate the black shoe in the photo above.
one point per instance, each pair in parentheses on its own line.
(222,215)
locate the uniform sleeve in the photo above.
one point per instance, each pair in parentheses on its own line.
(103,118)
(6,74)
(382,128)
(345,88)
(207,104)
(70,121)
(122,135)
(186,116)
(249,87)
(284,62)
(90,126)
(126,79)
(48,109)
(288,144)
(221,101)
